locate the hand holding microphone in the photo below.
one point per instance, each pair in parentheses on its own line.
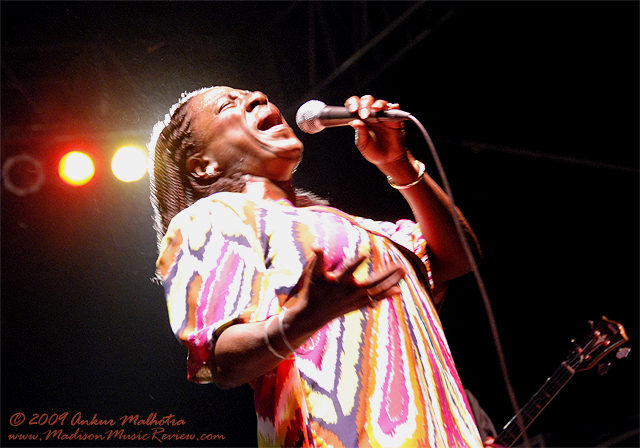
(313,116)
(379,144)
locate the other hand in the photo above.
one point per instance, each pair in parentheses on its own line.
(490,442)
(326,295)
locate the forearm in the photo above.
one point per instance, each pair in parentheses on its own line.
(241,353)
(383,144)
(432,210)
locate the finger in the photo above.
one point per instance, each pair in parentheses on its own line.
(489,441)
(383,294)
(364,134)
(364,111)
(352,104)
(316,264)
(308,272)
(351,269)
(379,105)
(384,291)
(382,285)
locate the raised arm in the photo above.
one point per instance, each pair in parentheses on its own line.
(383,144)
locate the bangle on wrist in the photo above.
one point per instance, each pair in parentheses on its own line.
(266,338)
(281,327)
(421,169)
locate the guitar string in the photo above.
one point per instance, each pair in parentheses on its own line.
(532,408)
(559,379)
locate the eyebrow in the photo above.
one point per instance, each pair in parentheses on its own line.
(233,93)
(218,99)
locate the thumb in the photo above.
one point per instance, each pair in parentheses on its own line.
(314,268)
(316,264)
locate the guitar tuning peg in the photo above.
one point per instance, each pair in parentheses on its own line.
(623,352)
(603,368)
(576,347)
(591,325)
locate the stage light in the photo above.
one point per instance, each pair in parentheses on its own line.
(22,174)
(76,168)
(129,164)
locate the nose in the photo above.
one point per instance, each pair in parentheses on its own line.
(255,99)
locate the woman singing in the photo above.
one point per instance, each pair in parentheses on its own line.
(331,318)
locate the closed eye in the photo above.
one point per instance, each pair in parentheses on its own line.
(225,104)
(227,100)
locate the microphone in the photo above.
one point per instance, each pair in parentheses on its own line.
(313,116)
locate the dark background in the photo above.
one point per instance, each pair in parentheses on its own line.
(533,107)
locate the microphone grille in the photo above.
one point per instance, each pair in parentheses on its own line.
(307,116)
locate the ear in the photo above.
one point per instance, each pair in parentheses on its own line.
(203,167)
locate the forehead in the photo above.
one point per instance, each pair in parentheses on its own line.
(201,106)
(211,95)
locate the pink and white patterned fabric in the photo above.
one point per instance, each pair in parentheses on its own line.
(376,377)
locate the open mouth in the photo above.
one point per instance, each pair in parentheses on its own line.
(269,120)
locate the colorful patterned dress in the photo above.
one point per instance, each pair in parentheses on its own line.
(379,377)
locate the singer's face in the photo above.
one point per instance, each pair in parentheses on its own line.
(244,131)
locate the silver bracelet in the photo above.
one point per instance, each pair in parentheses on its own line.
(421,171)
(281,326)
(266,338)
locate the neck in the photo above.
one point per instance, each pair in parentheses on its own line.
(263,188)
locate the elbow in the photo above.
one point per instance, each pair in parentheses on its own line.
(469,252)
(472,259)
(226,382)
(225,385)
(472,254)
(227,377)
(457,258)
(444,271)
(222,378)
(211,372)
(467,259)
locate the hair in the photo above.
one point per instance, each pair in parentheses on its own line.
(173,188)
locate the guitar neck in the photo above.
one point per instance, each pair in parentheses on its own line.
(605,336)
(532,409)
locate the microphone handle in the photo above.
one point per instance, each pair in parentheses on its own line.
(340,116)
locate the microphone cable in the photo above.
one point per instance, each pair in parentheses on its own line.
(478,278)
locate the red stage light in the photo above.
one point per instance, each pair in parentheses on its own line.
(76,168)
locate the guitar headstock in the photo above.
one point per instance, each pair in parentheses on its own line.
(605,336)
